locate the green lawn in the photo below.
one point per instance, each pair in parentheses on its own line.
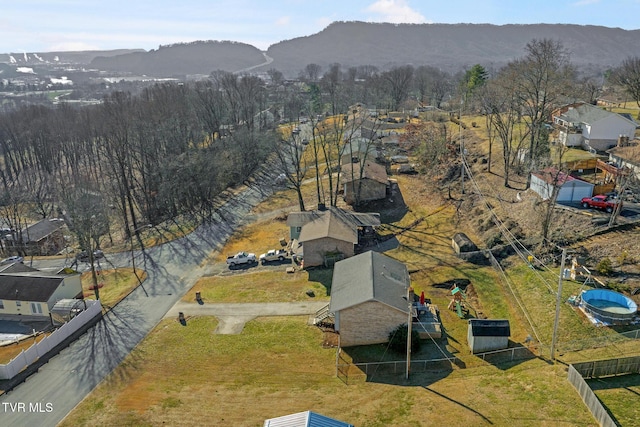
(620,396)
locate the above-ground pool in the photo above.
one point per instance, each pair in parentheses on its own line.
(609,306)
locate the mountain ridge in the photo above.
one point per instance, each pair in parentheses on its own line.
(450,47)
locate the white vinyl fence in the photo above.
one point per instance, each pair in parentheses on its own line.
(39,349)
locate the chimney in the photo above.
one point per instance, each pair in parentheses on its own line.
(412,294)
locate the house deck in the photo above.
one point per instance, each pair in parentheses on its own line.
(426,321)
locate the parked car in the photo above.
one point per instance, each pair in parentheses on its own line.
(11,260)
(84,256)
(601,201)
(274,255)
(241,258)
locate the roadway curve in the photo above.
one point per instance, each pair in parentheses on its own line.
(172,270)
(267,60)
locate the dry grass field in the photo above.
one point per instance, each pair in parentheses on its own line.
(116,284)
(278,365)
(188,375)
(8,352)
(263,286)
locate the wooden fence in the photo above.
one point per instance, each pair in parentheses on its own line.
(590,399)
(609,367)
(595,369)
(39,349)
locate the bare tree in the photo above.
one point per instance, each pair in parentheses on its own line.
(501,103)
(292,163)
(555,177)
(542,80)
(627,75)
(311,72)
(331,83)
(430,142)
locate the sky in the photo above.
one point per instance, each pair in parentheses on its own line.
(71,25)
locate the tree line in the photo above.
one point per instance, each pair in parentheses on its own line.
(169,149)
(138,159)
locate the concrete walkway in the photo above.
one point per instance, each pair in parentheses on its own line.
(233,316)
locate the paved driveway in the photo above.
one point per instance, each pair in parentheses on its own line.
(232,317)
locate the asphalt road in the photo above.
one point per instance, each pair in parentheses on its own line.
(46,397)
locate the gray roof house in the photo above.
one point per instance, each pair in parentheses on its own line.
(33,294)
(369,298)
(591,127)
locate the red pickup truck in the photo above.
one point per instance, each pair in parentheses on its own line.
(601,201)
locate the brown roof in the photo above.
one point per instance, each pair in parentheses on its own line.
(373,171)
(329,225)
(554,176)
(357,219)
(630,154)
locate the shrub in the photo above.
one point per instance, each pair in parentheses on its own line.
(398,339)
(604,267)
(624,258)
(494,240)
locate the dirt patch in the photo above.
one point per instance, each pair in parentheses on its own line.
(330,338)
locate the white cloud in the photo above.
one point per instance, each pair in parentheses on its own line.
(283,21)
(585,2)
(396,11)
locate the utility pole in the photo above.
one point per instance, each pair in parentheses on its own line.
(409,329)
(558,301)
(461,149)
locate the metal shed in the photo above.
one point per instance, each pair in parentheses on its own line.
(66,309)
(487,335)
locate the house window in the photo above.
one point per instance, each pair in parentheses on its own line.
(36,308)
(18,303)
(1,305)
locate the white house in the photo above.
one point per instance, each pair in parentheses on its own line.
(571,189)
(591,127)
